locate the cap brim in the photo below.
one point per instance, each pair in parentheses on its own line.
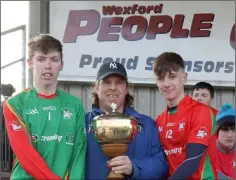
(226,119)
(111,73)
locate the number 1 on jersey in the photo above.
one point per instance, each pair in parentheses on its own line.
(49,115)
(168,134)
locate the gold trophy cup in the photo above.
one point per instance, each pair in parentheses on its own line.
(114,131)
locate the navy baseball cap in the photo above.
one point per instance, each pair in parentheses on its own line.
(110,68)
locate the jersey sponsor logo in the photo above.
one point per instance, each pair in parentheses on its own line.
(160,129)
(70,139)
(35,137)
(51,138)
(170,124)
(201,133)
(15,126)
(181,126)
(66,114)
(32,111)
(173,151)
(49,108)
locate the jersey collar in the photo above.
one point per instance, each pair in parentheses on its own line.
(51,96)
(183,103)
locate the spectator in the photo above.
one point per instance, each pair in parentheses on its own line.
(225,143)
(204,92)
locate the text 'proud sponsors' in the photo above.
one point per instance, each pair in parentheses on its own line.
(137,22)
(132,63)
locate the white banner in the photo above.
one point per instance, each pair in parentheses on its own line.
(133,33)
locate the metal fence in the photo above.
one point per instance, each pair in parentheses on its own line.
(5,149)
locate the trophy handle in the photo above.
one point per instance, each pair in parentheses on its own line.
(90,129)
(139,128)
(91,126)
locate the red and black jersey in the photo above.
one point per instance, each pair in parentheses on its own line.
(225,162)
(191,122)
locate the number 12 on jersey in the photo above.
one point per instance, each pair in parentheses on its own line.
(169,134)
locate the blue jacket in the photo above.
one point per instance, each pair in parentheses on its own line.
(144,151)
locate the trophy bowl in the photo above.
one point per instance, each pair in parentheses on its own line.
(113,131)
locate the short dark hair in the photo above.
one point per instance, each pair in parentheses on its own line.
(205,85)
(226,126)
(44,43)
(167,62)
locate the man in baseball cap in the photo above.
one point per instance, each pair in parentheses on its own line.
(145,157)
(225,144)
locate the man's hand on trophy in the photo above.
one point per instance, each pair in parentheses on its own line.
(121,165)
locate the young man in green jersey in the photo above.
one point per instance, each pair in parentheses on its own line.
(45,125)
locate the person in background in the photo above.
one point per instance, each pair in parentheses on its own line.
(186,127)
(225,144)
(204,92)
(145,158)
(7,91)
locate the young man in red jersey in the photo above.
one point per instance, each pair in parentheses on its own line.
(225,144)
(186,127)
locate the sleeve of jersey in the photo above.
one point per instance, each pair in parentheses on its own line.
(26,155)
(77,164)
(201,126)
(214,111)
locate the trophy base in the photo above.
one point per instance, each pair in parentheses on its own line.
(114,150)
(112,176)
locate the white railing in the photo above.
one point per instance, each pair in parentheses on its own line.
(5,149)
